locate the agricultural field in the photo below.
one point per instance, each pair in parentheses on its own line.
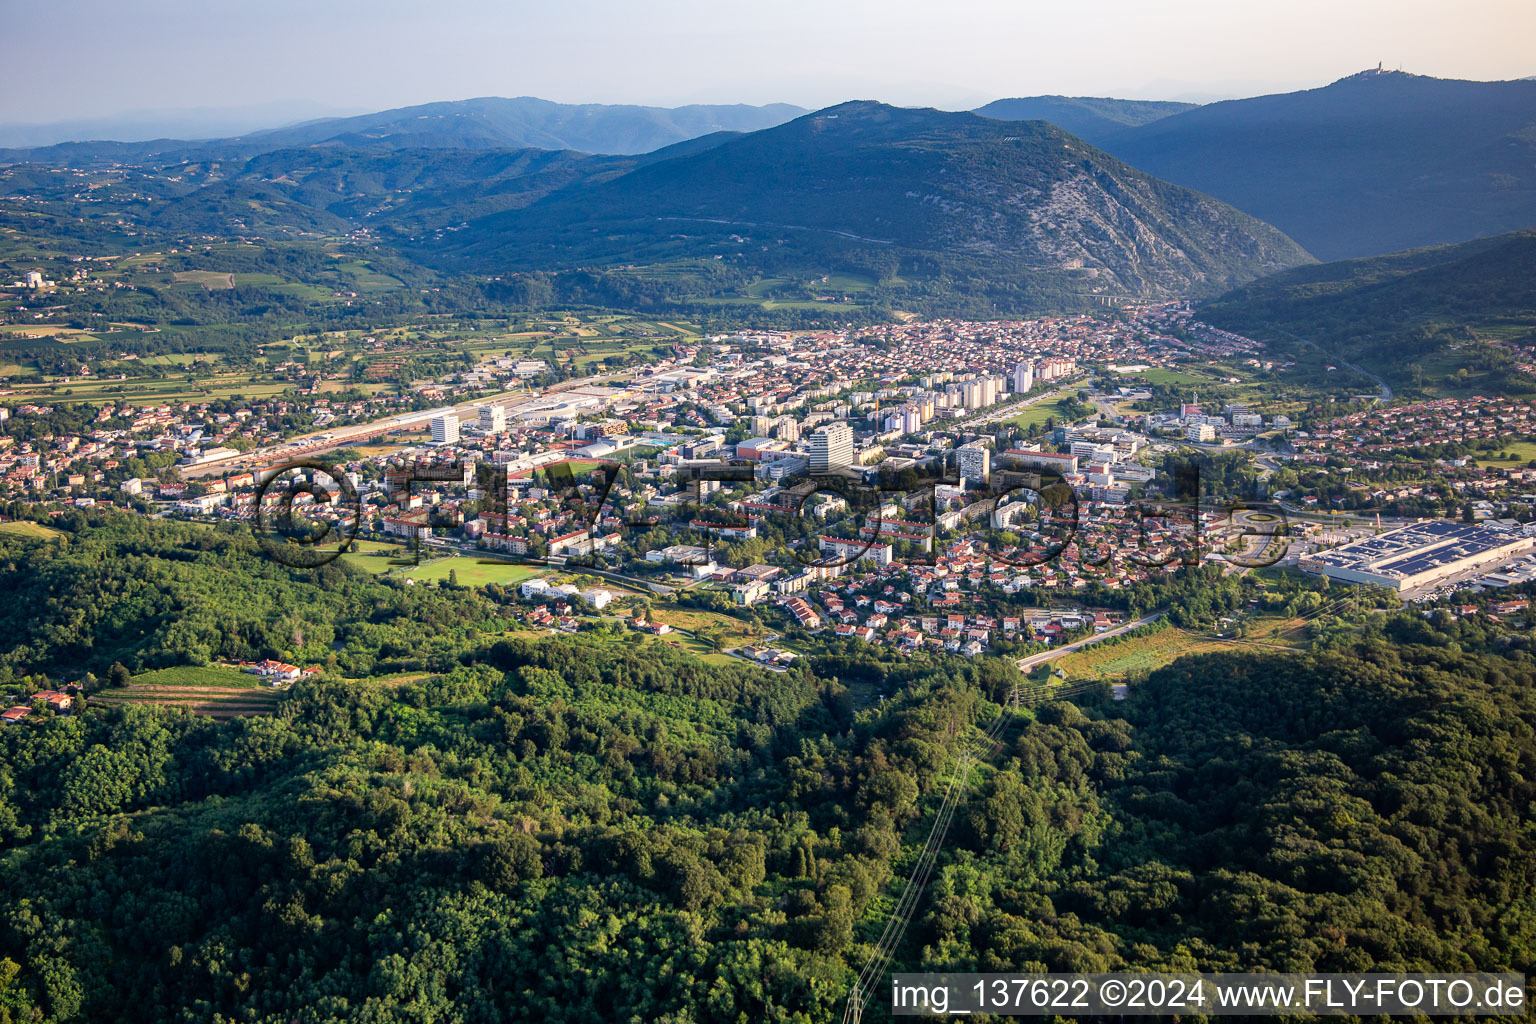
(214,691)
(586,342)
(399,679)
(213,280)
(1136,655)
(731,631)
(182,383)
(700,649)
(26,528)
(1275,629)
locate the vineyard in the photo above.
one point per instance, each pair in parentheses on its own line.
(213,691)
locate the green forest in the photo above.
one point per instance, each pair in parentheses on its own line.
(583,830)
(1451,317)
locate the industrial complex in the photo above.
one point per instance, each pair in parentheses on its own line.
(1419,555)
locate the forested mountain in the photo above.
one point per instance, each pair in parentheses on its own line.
(900,193)
(1374,163)
(412,190)
(548,830)
(1403,314)
(335,189)
(1091,118)
(525,122)
(922,210)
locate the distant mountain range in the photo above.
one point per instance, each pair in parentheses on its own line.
(179,123)
(1374,163)
(1091,118)
(489,123)
(998,199)
(1433,308)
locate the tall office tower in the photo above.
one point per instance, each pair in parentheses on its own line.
(831,446)
(974,462)
(445,429)
(493,419)
(1023,377)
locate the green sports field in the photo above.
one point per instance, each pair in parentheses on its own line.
(474,572)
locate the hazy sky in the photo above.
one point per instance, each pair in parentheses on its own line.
(63,59)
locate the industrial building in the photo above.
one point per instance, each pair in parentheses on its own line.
(1418,556)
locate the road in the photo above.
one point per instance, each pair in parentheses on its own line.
(1386,389)
(1025,664)
(310,445)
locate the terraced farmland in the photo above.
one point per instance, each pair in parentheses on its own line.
(215,692)
(212,701)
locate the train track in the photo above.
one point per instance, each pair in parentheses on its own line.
(976,749)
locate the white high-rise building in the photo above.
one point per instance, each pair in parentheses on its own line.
(974,461)
(831,446)
(1052,368)
(445,429)
(1023,377)
(911,420)
(493,418)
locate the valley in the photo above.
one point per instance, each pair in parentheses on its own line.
(499,559)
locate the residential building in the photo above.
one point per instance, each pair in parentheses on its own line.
(493,419)
(1023,377)
(831,446)
(445,429)
(974,461)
